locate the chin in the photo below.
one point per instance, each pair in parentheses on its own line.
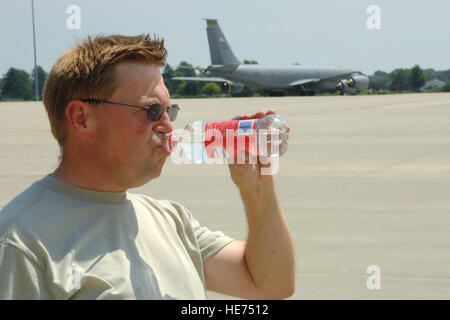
(142,181)
(148,173)
(154,173)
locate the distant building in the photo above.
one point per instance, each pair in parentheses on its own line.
(435,83)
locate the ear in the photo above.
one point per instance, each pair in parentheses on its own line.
(79,116)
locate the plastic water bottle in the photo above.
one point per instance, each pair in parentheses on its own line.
(201,141)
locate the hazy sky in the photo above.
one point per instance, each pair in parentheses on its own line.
(311,33)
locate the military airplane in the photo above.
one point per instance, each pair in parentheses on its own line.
(276,80)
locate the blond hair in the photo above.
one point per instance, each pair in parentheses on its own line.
(86,71)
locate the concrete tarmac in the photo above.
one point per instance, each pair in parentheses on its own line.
(365,182)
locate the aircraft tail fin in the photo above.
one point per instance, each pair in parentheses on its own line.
(219,48)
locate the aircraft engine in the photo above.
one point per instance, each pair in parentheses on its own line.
(341,85)
(358,82)
(236,87)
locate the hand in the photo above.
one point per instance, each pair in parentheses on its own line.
(248,175)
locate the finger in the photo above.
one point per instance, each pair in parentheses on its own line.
(242,117)
(262,114)
(242,158)
(259,114)
(238,117)
(264,162)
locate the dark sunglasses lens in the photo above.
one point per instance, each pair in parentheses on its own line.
(154,113)
(172,111)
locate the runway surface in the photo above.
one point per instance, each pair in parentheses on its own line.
(365,182)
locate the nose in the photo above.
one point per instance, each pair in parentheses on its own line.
(164,124)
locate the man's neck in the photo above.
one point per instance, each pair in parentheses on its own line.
(83,177)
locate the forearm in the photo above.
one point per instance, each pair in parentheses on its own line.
(269,253)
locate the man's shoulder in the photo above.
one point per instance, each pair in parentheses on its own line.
(31,212)
(14,223)
(19,206)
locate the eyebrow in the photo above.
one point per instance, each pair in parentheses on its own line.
(155,100)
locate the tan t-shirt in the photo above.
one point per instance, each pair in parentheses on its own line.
(58,241)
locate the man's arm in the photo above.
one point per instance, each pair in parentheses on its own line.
(264,266)
(20,278)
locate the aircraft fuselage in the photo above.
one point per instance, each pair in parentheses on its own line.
(278,77)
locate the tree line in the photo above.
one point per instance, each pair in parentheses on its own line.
(413,79)
(18,84)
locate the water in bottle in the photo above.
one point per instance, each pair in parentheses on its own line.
(202,141)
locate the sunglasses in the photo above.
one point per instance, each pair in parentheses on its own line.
(154,111)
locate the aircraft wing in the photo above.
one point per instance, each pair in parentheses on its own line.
(304,81)
(201,79)
(339,76)
(319,81)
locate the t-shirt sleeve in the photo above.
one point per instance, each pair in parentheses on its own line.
(209,242)
(20,278)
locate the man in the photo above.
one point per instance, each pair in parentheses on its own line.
(79,234)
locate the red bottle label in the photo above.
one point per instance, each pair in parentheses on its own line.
(233,136)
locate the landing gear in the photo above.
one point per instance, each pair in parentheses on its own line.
(273,93)
(307,92)
(289,93)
